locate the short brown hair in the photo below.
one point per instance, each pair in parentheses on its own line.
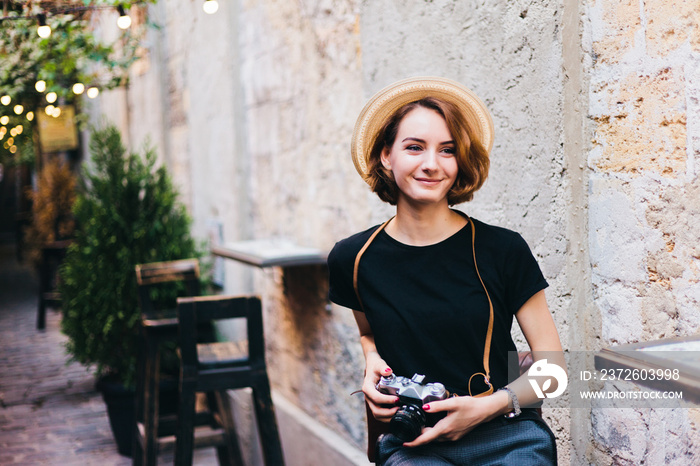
(472,157)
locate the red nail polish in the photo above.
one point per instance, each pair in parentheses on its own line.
(426,407)
(387,370)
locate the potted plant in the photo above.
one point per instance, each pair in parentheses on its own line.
(126,213)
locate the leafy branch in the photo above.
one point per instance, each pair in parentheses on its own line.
(71,54)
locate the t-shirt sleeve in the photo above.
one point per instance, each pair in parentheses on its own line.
(341,262)
(523,274)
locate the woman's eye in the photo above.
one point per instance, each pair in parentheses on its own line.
(449,150)
(413,148)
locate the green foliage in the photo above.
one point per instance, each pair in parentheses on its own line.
(71,54)
(127,213)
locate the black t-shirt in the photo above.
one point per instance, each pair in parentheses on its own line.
(426,306)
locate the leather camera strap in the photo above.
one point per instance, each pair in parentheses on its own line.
(489,330)
(356,269)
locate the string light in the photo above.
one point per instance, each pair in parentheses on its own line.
(18,109)
(78,88)
(210,6)
(40,86)
(5,100)
(51,97)
(93,92)
(4,120)
(124,20)
(30,116)
(43,30)
(49,110)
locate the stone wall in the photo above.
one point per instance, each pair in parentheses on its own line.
(644,203)
(595,106)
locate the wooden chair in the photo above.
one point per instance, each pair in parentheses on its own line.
(217,367)
(52,254)
(158,324)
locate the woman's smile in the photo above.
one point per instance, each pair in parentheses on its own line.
(429,181)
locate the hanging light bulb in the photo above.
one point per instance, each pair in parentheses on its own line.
(124,20)
(13,149)
(18,109)
(210,6)
(49,110)
(93,92)
(40,86)
(4,120)
(5,100)
(43,30)
(56,112)
(19,129)
(78,88)
(30,116)
(51,97)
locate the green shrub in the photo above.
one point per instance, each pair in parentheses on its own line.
(126,213)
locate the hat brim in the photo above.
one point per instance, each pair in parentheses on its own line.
(388,100)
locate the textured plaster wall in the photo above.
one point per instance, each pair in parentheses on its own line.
(301,74)
(184,98)
(644,203)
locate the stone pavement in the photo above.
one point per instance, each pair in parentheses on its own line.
(50,412)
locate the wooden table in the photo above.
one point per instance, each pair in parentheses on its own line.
(672,354)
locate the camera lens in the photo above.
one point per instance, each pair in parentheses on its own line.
(407,423)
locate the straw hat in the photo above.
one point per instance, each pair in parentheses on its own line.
(391,98)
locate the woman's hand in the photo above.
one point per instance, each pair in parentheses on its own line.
(383,406)
(463,414)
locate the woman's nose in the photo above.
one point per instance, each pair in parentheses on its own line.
(429,160)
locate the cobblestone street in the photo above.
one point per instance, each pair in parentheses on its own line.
(50,412)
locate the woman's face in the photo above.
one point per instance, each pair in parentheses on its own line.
(422,158)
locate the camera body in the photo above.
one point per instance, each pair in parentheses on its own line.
(410,419)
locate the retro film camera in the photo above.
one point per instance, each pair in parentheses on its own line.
(410,419)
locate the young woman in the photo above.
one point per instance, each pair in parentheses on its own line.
(433,291)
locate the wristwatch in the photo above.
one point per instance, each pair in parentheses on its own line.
(514,400)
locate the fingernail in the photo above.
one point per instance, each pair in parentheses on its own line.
(426,407)
(387,370)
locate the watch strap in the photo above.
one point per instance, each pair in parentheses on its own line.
(514,401)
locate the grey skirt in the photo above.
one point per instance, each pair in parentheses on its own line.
(527,442)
